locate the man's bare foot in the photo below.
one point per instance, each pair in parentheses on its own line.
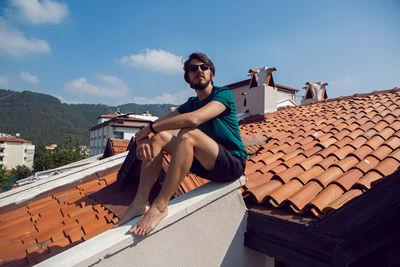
(149,221)
(133,211)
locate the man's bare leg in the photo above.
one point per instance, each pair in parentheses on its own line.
(189,142)
(149,172)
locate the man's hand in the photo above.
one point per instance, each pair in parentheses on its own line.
(144,151)
(143,133)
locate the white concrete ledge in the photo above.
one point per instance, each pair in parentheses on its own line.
(178,208)
(30,191)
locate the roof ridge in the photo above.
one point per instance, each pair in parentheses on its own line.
(375,92)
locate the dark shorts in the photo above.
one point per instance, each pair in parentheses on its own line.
(227,167)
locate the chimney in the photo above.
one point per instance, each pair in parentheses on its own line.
(262,76)
(262,94)
(314,92)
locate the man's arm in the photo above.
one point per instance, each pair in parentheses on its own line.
(169,115)
(185,120)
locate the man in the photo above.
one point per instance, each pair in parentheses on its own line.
(208,144)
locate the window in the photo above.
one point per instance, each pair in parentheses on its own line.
(119,135)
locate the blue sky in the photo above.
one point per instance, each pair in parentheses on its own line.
(117,52)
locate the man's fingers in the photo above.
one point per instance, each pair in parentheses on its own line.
(139,153)
(144,152)
(148,152)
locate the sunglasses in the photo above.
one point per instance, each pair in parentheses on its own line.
(203,67)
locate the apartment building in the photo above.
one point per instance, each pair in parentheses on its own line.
(15,151)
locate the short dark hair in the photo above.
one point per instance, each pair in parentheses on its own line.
(201,57)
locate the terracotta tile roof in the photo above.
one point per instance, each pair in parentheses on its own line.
(319,156)
(107,116)
(115,146)
(312,158)
(42,228)
(119,145)
(13,139)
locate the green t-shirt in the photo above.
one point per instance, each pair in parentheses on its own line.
(224,128)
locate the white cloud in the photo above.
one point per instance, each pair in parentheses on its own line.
(344,80)
(155,60)
(66,101)
(37,12)
(4,81)
(30,78)
(13,41)
(108,86)
(165,98)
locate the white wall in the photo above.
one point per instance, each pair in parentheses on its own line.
(239,98)
(29,153)
(14,154)
(285,94)
(261,99)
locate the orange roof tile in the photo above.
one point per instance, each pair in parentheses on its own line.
(119,145)
(13,139)
(115,146)
(318,156)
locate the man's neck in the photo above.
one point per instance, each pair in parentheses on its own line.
(203,94)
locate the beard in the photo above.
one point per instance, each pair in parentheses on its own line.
(200,85)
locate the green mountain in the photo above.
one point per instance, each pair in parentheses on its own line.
(43,119)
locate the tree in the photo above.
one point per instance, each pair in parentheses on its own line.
(21,171)
(6,179)
(3,177)
(51,159)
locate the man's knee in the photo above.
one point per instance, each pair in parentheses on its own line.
(187,135)
(161,138)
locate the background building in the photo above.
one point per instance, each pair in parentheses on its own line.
(260,94)
(118,126)
(15,151)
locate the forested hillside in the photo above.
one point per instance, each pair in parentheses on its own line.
(43,119)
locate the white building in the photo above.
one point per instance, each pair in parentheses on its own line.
(123,126)
(15,151)
(261,86)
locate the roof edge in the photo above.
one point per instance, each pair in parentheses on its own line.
(30,191)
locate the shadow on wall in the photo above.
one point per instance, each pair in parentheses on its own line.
(239,255)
